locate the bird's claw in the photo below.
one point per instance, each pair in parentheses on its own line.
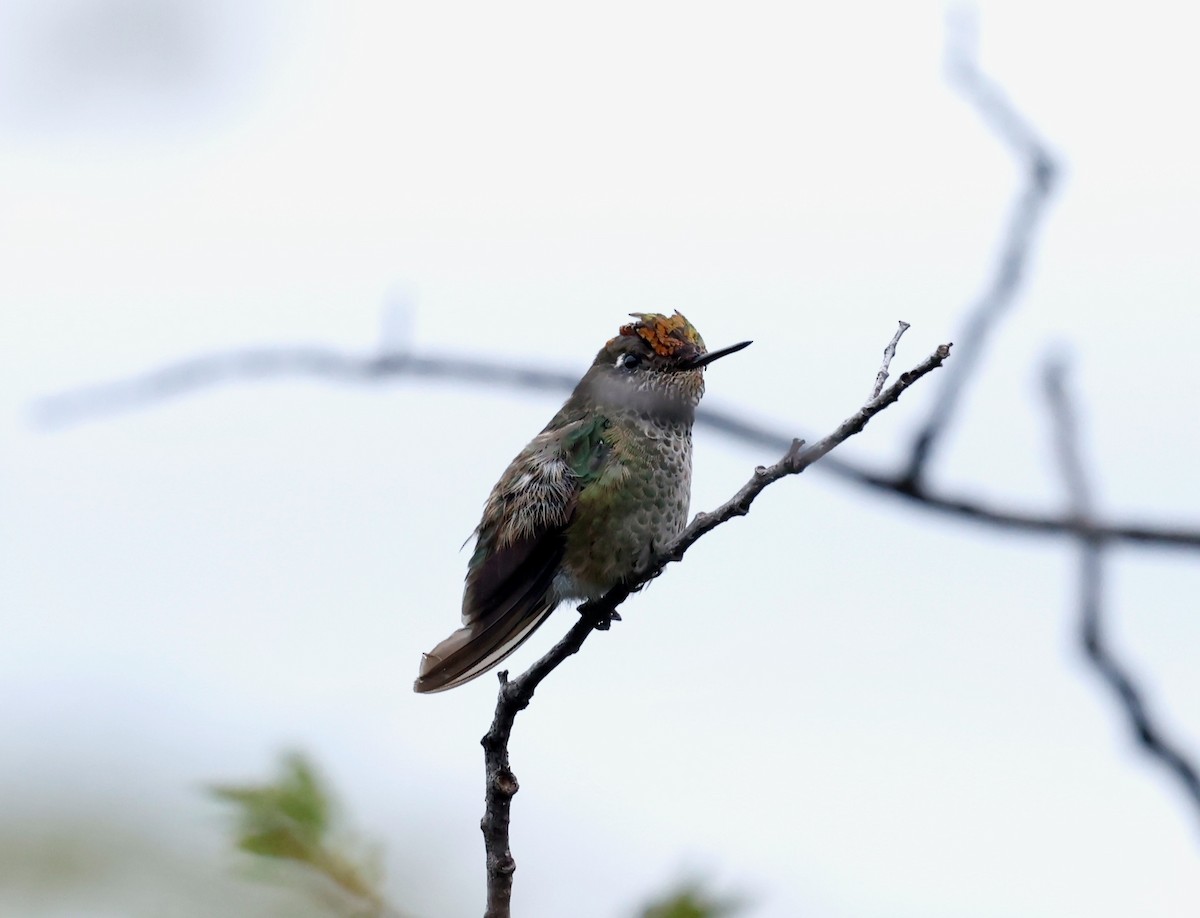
(601,619)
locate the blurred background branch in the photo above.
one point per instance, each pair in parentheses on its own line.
(1039,170)
(1151,737)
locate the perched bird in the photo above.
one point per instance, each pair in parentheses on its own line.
(605,484)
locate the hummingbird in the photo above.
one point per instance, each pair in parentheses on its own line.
(588,501)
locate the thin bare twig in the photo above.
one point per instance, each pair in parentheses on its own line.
(514,695)
(889,352)
(1041,171)
(797,458)
(1091,588)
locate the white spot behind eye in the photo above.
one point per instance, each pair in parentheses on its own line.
(627,361)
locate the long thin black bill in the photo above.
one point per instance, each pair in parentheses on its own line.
(716,355)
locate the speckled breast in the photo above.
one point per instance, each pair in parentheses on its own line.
(641,501)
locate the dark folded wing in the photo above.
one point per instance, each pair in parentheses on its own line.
(519,550)
(508,594)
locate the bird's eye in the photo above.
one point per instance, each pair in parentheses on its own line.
(629,362)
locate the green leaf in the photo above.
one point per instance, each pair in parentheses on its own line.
(692,901)
(280,843)
(295,807)
(289,819)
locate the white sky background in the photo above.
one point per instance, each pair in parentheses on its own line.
(840,706)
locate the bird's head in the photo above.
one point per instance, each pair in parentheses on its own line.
(657,360)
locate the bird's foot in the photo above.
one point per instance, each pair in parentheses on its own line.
(602,619)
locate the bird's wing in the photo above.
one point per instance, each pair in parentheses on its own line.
(519,547)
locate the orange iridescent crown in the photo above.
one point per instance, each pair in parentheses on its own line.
(667,335)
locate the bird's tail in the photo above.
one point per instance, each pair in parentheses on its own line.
(475,648)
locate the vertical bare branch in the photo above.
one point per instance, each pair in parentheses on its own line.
(500,783)
(1091,592)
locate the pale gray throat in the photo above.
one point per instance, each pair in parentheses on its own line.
(641,396)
